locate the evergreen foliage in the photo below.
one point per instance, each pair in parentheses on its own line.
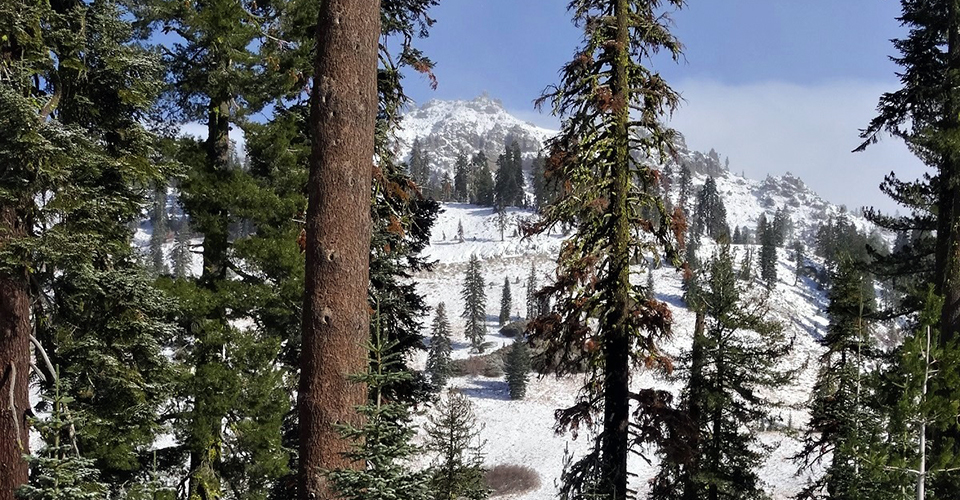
(453,436)
(382,441)
(610,105)
(686,185)
(58,470)
(438,357)
(508,187)
(532,289)
(710,215)
(461,176)
(735,359)
(483,186)
(506,302)
(517,367)
(842,422)
(475,304)
(768,252)
(159,229)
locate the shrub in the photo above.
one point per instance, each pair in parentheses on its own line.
(514,329)
(506,479)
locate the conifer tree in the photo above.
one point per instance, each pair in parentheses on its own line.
(343,128)
(768,252)
(475,304)
(438,357)
(532,289)
(180,255)
(506,302)
(461,187)
(685,187)
(483,185)
(460,231)
(842,423)
(159,229)
(737,356)
(517,367)
(710,215)
(611,106)
(382,441)
(746,266)
(780,226)
(77,161)
(453,436)
(58,471)
(800,260)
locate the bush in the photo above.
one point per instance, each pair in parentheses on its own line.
(507,479)
(488,365)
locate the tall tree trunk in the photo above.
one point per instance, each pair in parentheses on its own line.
(616,385)
(697,395)
(343,109)
(14,367)
(204,481)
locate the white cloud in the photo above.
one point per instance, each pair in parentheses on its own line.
(808,130)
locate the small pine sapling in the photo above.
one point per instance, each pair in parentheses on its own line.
(382,442)
(532,286)
(454,435)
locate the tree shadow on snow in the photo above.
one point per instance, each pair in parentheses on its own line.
(488,389)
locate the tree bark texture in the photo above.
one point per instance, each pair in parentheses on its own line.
(336,317)
(14,367)
(616,343)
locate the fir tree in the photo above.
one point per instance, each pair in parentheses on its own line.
(780,226)
(461,187)
(506,302)
(737,355)
(58,470)
(532,289)
(517,367)
(460,231)
(746,266)
(438,357)
(180,255)
(483,185)
(841,421)
(768,252)
(159,230)
(475,304)
(800,261)
(382,441)
(710,216)
(453,436)
(607,98)
(685,186)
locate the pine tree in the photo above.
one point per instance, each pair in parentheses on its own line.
(337,279)
(841,420)
(780,226)
(506,302)
(768,253)
(453,436)
(746,266)
(606,99)
(483,185)
(460,178)
(685,186)
(735,360)
(800,260)
(382,441)
(460,231)
(75,94)
(532,288)
(517,367)
(180,255)
(159,230)
(475,304)
(438,357)
(508,187)
(58,470)
(710,215)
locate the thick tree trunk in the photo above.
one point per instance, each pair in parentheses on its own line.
(948,230)
(616,385)
(14,368)
(336,317)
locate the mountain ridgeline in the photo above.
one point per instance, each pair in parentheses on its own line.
(434,135)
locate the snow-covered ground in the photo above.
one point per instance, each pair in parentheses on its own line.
(521,432)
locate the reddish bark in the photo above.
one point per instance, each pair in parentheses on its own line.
(14,368)
(335,316)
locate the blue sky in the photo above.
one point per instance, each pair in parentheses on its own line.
(776,85)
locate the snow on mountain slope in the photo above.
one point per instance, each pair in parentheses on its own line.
(521,432)
(447,128)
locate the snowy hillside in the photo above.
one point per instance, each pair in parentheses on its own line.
(447,128)
(521,432)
